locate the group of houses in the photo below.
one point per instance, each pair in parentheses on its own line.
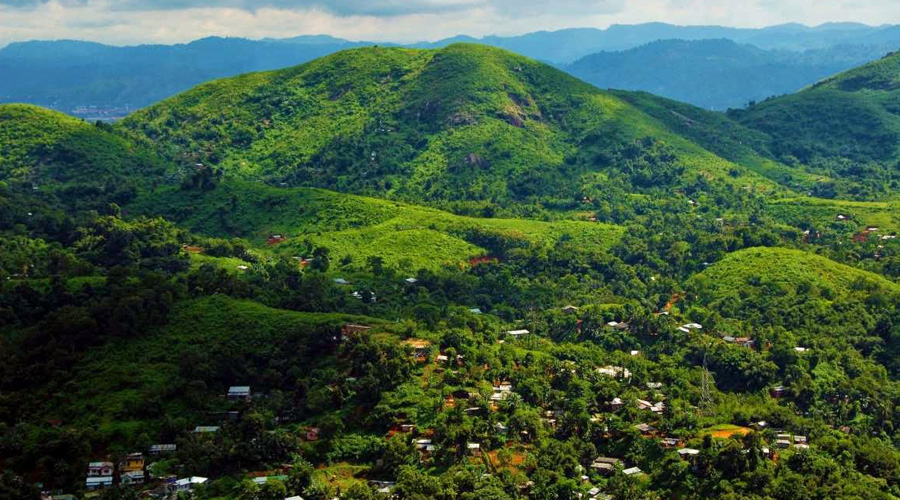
(132,470)
(103,474)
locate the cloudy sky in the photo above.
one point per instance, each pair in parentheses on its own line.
(167,21)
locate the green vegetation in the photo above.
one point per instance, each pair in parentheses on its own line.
(461,124)
(822,213)
(38,145)
(677,292)
(793,271)
(120,386)
(845,127)
(358,228)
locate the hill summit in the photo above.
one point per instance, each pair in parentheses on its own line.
(466,122)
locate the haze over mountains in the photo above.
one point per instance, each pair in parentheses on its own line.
(734,65)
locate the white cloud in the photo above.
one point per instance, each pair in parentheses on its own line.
(167,21)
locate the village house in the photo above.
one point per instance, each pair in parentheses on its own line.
(501,391)
(352,328)
(425,447)
(132,466)
(100,469)
(632,471)
(499,396)
(132,478)
(570,309)
(778,391)
(670,442)
(239,393)
(96,483)
(420,348)
(618,326)
(516,333)
(783,440)
(605,465)
(616,404)
(275,239)
(474,449)
(614,371)
(645,429)
(688,453)
(762,424)
(739,341)
(206,429)
(187,484)
(265,479)
(653,407)
(383,487)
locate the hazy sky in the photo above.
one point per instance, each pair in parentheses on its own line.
(167,21)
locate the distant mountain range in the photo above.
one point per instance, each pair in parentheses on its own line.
(709,66)
(717,74)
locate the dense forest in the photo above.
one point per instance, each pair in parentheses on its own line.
(449,274)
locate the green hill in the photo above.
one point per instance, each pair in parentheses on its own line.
(790,271)
(117,388)
(466,122)
(849,121)
(38,145)
(724,137)
(358,227)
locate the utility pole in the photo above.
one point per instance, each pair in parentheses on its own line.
(706,401)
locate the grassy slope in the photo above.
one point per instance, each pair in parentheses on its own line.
(853,114)
(39,145)
(124,385)
(786,268)
(354,225)
(724,137)
(823,213)
(464,122)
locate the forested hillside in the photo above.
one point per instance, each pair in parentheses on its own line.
(444,274)
(454,126)
(845,126)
